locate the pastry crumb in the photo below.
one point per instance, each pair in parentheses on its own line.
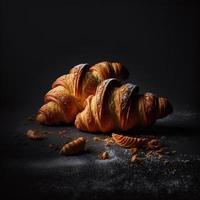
(108,141)
(35,135)
(133,150)
(104,155)
(50,146)
(61,133)
(97,139)
(153,144)
(136,159)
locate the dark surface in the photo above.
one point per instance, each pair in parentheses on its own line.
(158,43)
(32,170)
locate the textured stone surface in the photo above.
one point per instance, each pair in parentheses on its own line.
(31,169)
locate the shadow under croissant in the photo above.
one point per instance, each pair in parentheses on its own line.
(60,125)
(86,151)
(161,130)
(157,130)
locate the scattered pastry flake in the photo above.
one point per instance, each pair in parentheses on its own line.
(149,154)
(167,153)
(50,146)
(136,159)
(35,135)
(74,147)
(160,156)
(153,144)
(97,139)
(108,141)
(166,162)
(62,133)
(161,150)
(148,146)
(159,153)
(133,150)
(104,155)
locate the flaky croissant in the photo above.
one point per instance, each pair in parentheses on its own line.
(68,93)
(120,107)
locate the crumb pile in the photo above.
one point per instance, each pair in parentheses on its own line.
(140,147)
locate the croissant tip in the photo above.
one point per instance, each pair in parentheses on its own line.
(41,118)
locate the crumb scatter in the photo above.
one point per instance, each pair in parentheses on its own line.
(104,155)
(35,134)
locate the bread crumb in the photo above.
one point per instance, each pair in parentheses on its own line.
(108,141)
(149,154)
(50,146)
(167,153)
(153,144)
(35,135)
(133,150)
(160,156)
(61,133)
(97,139)
(104,155)
(136,159)
(160,151)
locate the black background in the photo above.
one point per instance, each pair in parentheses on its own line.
(156,40)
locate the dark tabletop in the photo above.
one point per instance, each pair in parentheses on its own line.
(30,169)
(157,41)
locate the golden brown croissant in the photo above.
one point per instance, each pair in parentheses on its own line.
(68,93)
(120,107)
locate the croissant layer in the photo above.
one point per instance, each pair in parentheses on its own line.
(66,98)
(119,107)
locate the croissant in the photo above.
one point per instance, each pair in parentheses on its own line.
(76,146)
(119,107)
(129,142)
(68,93)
